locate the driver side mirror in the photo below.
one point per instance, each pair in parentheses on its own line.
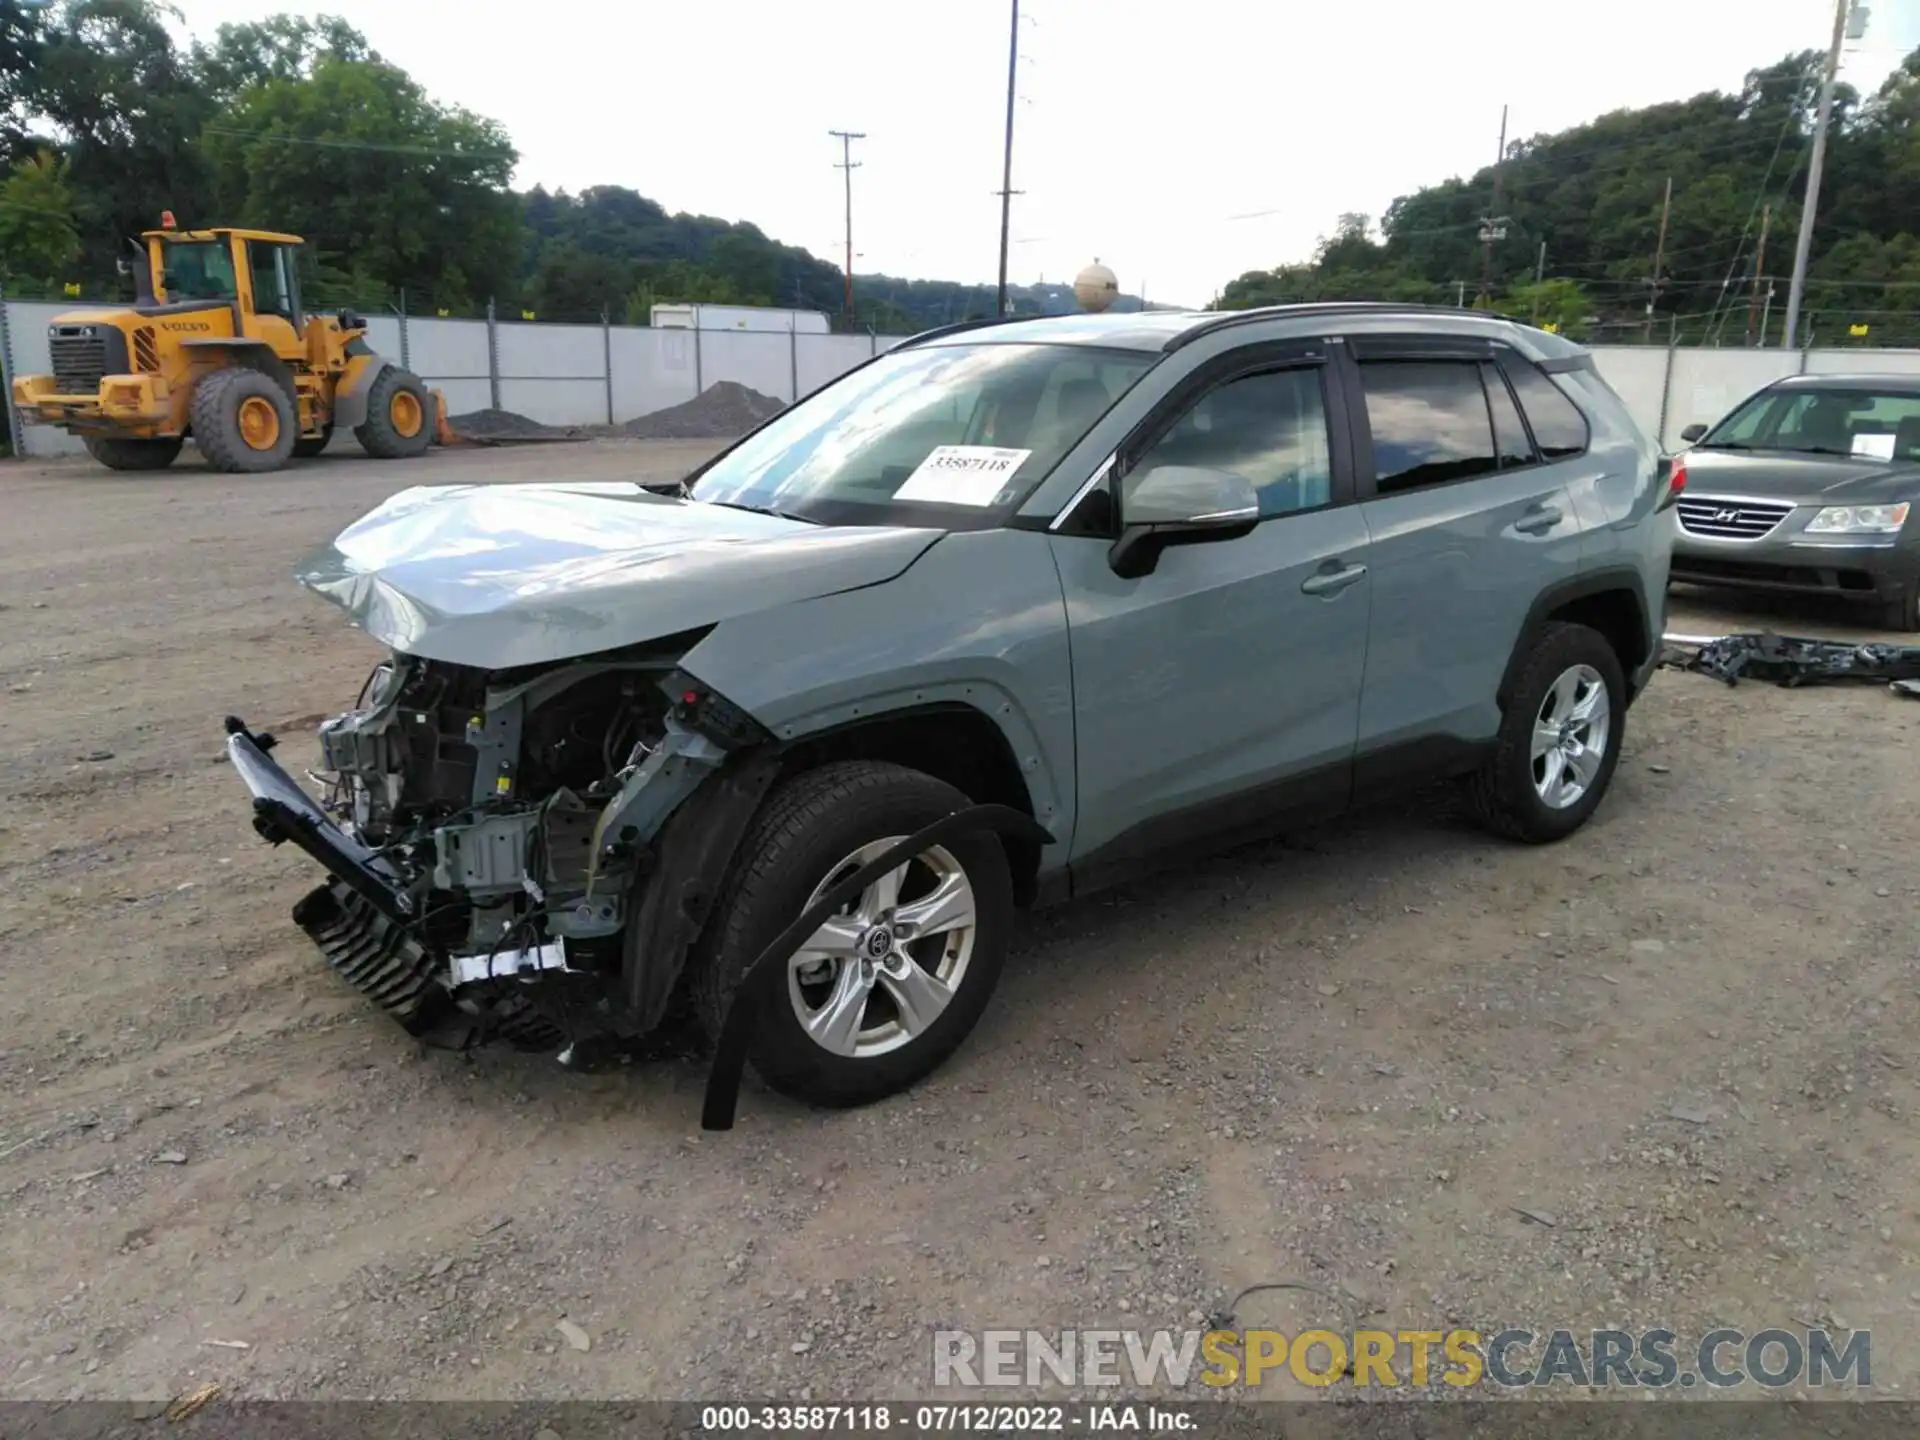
(1178,505)
(1693,433)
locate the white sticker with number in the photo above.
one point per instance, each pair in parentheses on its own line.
(962,475)
(1874,447)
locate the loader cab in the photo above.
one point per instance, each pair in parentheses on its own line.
(255,273)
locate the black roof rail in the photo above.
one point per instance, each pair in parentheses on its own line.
(960,325)
(1227,319)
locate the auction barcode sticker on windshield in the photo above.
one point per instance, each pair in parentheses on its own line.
(962,475)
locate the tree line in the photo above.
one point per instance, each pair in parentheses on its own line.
(1581,212)
(300,125)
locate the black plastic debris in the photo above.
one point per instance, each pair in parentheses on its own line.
(1790,661)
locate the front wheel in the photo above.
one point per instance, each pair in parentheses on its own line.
(118,453)
(1559,740)
(399,419)
(884,992)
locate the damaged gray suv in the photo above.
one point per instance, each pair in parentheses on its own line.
(1156,582)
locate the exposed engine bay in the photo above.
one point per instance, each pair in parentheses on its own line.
(491,838)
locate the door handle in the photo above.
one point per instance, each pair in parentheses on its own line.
(1332,578)
(1539,519)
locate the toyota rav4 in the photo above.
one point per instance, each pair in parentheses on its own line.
(1157,582)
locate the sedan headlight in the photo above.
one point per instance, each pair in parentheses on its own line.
(1858,520)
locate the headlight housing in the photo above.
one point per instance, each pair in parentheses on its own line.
(1858,520)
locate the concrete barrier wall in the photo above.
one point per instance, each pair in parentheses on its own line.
(593,374)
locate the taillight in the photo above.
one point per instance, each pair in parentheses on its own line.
(1676,482)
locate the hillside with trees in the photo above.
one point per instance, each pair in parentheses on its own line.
(1592,197)
(299,124)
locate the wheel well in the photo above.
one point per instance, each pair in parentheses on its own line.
(1616,615)
(954,743)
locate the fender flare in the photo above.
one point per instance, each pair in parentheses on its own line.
(759,985)
(249,354)
(350,399)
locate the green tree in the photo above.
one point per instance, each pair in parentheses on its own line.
(356,157)
(39,240)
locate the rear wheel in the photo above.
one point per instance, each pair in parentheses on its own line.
(306,449)
(884,992)
(1559,740)
(243,422)
(399,416)
(117,453)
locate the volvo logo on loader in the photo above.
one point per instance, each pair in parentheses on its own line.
(132,386)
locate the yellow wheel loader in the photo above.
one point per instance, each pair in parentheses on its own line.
(217,347)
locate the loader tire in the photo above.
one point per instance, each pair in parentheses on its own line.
(243,422)
(119,453)
(399,421)
(306,449)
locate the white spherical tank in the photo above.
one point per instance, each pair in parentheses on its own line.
(1096,288)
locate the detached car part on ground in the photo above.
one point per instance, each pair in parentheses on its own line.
(1082,595)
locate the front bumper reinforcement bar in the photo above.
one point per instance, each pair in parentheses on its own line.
(282,811)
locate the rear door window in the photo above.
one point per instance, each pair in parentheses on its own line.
(1559,429)
(1430,423)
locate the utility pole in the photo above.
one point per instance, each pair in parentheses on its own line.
(1659,258)
(849,165)
(1539,276)
(1759,269)
(1006,171)
(1493,225)
(1816,163)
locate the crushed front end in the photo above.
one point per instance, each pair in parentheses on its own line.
(521,855)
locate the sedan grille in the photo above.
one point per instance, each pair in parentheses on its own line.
(1730,519)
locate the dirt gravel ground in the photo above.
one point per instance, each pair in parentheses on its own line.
(1685,1038)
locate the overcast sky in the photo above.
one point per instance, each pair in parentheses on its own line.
(1144,128)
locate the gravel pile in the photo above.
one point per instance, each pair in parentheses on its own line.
(720,412)
(502,425)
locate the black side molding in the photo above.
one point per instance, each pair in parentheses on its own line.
(759,985)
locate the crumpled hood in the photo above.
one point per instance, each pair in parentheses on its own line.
(497,576)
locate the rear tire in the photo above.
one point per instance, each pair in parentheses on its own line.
(306,449)
(1571,686)
(117,453)
(811,831)
(399,421)
(243,422)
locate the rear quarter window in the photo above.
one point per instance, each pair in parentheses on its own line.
(1560,429)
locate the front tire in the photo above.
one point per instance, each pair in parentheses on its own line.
(1559,740)
(399,421)
(243,422)
(117,453)
(1902,613)
(881,995)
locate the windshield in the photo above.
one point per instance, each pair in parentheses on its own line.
(197,270)
(1873,425)
(948,435)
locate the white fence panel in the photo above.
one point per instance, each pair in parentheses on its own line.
(27,322)
(443,350)
(760,360)
(383,334)
(555,374)
(1638,375)
(1709,383)
(825,357)
(652,370)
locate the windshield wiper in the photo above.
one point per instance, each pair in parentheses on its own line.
(761,510)
(1722,445)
